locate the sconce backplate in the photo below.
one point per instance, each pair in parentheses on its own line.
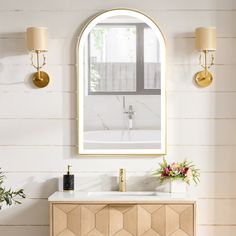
(42,80)
(203,78)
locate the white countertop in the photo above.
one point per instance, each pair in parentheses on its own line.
(113,196)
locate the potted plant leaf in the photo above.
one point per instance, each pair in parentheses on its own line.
(8,196)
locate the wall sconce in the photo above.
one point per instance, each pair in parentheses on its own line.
(205,42)
(37,41)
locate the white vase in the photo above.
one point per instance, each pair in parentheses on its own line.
(178,186)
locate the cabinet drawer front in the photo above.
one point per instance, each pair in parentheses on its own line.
(151,220)
(179,220)
(80,220)
(165,220)
(122,220)
(94,220)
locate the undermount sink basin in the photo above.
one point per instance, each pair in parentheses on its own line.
(120,194)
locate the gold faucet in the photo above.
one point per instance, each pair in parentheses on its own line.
(122,181)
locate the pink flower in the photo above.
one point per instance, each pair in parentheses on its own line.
(189,174)
(167,170)
(185,170)
(175,166)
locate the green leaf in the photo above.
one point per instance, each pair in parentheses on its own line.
(9,196)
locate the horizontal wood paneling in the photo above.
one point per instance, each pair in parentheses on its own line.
(69,27)
(30,212)
(180,78)
(39,185)
(216,230)
(215,185)
(37,132)
(24,230)
(207,158)
(201,105)
(216,211)
(152,4)
(47,105)
(62,78)
(201,132)
(70,24)
(173,27)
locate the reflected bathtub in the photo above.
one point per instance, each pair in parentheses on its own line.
(123,139)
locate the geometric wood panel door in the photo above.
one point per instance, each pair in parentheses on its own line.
(151,220)
(122,220)
(80,220)
(94,220)
(63,222)
(179,220)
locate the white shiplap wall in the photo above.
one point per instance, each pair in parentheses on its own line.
(38,127)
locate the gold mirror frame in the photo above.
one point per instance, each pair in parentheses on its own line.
(79,57)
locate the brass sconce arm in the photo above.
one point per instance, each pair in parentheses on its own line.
(37,42)
(205,66)
(40,78)
(37,66)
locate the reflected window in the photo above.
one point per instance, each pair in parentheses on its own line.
(123,59)
(152,62)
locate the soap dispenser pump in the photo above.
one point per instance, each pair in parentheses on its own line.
(68,180)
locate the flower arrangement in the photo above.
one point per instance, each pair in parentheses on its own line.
(8,196)
(185,171)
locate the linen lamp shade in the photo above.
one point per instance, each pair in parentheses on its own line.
(206,39)
(37,39)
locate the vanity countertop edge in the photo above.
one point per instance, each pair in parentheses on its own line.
(89,197)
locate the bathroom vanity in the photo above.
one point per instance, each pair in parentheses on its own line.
(121,214)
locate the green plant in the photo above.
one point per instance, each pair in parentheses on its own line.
(9,196)
(185,171)
(98,33)
(95,78)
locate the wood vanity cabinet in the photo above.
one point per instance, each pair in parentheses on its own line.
(155,219)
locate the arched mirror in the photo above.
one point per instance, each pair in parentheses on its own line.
(121,60)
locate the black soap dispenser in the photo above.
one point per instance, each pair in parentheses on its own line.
(68,180)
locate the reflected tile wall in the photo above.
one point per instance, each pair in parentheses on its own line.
(106,112)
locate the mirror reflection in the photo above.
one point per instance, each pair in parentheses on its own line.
(121,85)
(124,57)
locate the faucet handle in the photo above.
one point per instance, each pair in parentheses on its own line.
(131,111)
(122,174)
